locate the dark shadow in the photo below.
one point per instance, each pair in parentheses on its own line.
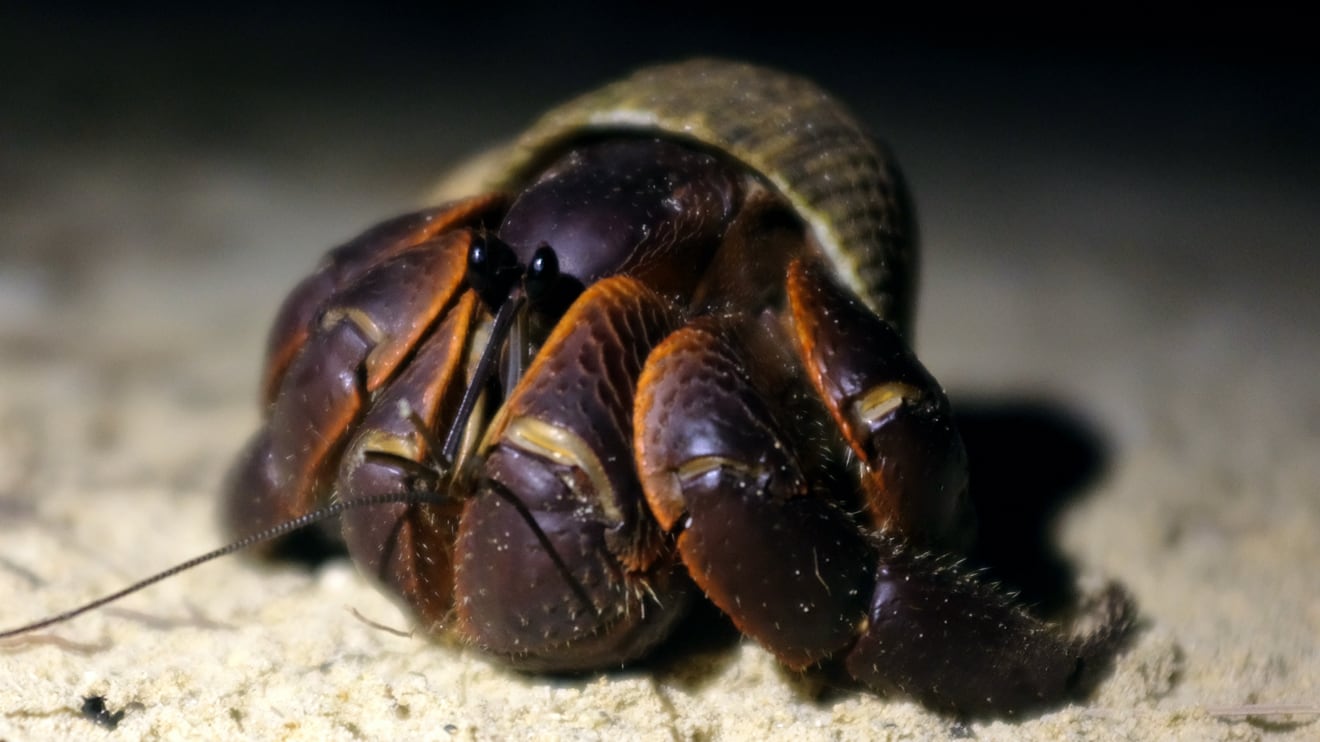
(690,658)
(310,547)
(705,633)
(94,709)
(1028,460)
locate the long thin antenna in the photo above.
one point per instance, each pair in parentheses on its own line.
(316,516)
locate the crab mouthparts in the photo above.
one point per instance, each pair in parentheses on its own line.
(508,287)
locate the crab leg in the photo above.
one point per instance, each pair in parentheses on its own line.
(409,548)
(786,564)
(934,630)
(560,567)
(937,632)
(360,338)
(892,412)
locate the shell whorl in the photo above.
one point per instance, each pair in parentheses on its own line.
(839,179)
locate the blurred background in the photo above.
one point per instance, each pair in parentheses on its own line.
(379,98)
(1121,260)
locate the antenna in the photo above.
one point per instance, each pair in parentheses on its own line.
(316,516)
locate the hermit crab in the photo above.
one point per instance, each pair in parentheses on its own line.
(663,355)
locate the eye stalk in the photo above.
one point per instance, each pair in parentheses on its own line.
(542,274)
(493,271)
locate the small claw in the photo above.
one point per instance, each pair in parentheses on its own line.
(937,633)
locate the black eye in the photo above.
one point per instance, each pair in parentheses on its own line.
(478,255)
(542,273)
(491,269)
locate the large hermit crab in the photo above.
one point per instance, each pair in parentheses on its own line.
(665,355)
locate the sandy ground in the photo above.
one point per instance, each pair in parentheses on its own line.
(1133,337)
